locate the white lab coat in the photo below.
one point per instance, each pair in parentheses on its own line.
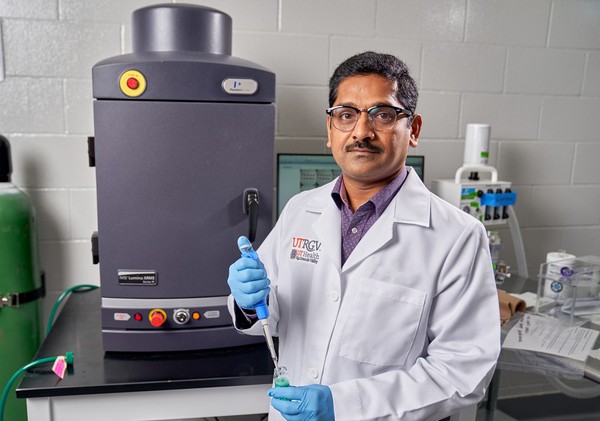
(407,329)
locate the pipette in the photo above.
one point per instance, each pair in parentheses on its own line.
(262,310)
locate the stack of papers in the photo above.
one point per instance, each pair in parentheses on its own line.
(541,334)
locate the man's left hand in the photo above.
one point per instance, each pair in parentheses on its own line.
(299,403)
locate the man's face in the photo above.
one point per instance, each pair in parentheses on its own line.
(367,156)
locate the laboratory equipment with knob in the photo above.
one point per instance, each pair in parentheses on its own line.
(486,198)
(184,150)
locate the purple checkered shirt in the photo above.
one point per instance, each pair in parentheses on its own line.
(356,224)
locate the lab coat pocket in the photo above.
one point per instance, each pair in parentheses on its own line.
(382,324)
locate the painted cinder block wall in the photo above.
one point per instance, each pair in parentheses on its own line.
(530,68)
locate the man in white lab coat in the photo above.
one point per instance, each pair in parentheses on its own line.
(382,294)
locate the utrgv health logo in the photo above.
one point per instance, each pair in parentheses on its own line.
(305,250)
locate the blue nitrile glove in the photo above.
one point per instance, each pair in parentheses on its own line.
(298,403)
(248,282)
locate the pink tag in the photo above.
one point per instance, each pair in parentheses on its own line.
(60,366)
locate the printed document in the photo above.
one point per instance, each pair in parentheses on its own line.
(540,334)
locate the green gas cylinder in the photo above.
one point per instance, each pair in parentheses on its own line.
(21,283)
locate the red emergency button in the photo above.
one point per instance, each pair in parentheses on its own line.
(133,83)
(157,317)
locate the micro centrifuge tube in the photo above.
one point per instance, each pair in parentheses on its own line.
(280,378)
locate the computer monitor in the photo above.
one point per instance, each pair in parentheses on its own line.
(418,164)
(299,172)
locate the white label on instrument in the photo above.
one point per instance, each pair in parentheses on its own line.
(122,317)
(213,314)
(240,86)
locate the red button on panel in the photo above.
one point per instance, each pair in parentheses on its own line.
(157,318)
(133,83)
(138,317)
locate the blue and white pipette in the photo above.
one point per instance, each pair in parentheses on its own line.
(262,310)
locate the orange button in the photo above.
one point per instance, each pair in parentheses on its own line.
(133,83)
(196,315)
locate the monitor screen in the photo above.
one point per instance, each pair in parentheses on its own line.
(299,172)
(418,164)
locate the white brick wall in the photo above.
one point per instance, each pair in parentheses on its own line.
(510,22)
(296,59)
(574,24)
(431,20)
(530,68)
(463,67)
(544,71)
(591,84)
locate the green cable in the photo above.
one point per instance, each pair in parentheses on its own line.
(69,355)
(20,371)
(86,287)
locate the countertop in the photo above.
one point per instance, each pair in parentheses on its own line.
(78,330)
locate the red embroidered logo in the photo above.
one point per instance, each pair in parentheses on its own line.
(305,250)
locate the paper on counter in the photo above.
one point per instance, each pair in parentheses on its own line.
(540,334)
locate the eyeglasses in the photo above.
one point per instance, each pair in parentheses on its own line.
(381,117)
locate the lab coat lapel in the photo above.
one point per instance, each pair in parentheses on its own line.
(328,227)
(412,205)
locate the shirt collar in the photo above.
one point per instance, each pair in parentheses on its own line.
(380,200)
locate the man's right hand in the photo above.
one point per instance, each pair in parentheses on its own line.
(248,282)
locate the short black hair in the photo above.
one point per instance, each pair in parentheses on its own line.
(386,65)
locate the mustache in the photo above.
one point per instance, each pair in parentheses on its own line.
(361,144)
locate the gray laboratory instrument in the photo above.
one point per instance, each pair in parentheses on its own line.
(184,152)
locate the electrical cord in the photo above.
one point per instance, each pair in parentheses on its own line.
(68,356)
(583,392)
(59,300)
(69,359)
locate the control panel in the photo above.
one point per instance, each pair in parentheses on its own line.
(165,318)
(487,201)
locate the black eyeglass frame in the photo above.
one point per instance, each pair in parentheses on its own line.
(329,112)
